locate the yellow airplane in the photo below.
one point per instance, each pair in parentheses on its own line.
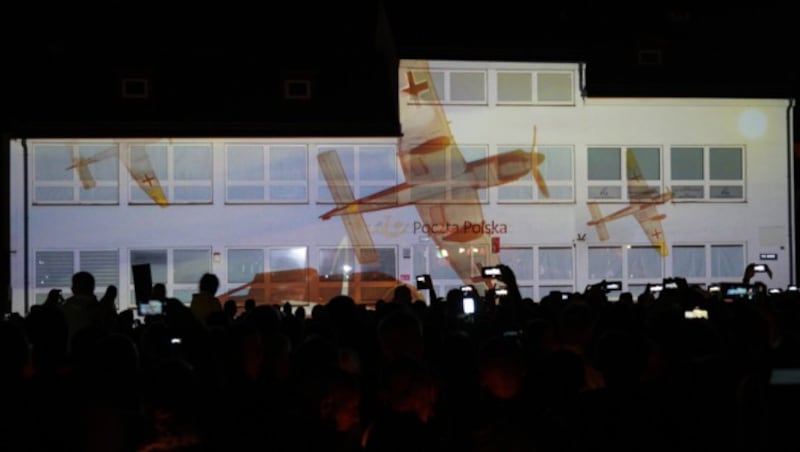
(439,182)
(643,202)
(138,165)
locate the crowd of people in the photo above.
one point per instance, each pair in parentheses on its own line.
(573,372)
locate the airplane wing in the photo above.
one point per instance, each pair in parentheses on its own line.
(536,160)
(81,165)
(141,170)
(650,221)
(342,193)
(428,153)
(643,202)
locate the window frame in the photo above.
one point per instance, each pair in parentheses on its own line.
(267,183)
(707,183)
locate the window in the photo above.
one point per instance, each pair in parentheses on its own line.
(54,270)
(707,173)
(439,262)
(534,87)
(453,87)
(637,177)
(644,263)
(542,269)
(75,174)
(689,261)
(258,173)
(605,262)
(341,273)
(182,170)
(179,269)
(271,275)
(556,169)
(727,261)
(368,168)
(426,174)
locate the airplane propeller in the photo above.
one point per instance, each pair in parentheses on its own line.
(536,160)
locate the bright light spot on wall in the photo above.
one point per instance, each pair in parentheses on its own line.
(752,123)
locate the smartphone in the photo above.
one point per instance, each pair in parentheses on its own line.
(469,305)
(501,292)
(466,289)
(695,313)
(422,282)
(791,288)
(613,285)
(774,291)
(490,272)
(564,296)
(175,340)
(714,288)
(152,307)
(760,268)
(655,288)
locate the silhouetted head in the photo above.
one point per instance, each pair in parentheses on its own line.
(83,283)
(159,291)
(402,294)
(209,283)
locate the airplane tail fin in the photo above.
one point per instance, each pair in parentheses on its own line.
(536,160)
(598,221)
(342,193)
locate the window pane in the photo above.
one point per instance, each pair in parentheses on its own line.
(515,192)
(689,261)
(727,261)
(644,262)
(287,163)
(725,163)
(50,163)
(193,162)
(557,165)
(287,193)
(520,260)
(336,264)
(105,166)
(190,265)
(155,154)
(727,191)
(104,265)
(193,194)
(107,194)
(605,263)
(467,86)
(157,260)
(687,163)
(245,163)
(288,258)
(244,265)
(54,269)
(385,269)
(514,87)
(246,193)
(555,263)
(604,164)
(377,163)
(554,87)
(439,263)
(54,194)
(648,161)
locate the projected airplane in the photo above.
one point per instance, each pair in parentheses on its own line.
(643,202)
(439,182)
(139,167)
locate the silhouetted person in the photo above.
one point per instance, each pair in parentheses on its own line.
(205,302)
(82,308)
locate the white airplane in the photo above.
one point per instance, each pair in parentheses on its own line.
(643,204)
(138,165)
(439,182)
